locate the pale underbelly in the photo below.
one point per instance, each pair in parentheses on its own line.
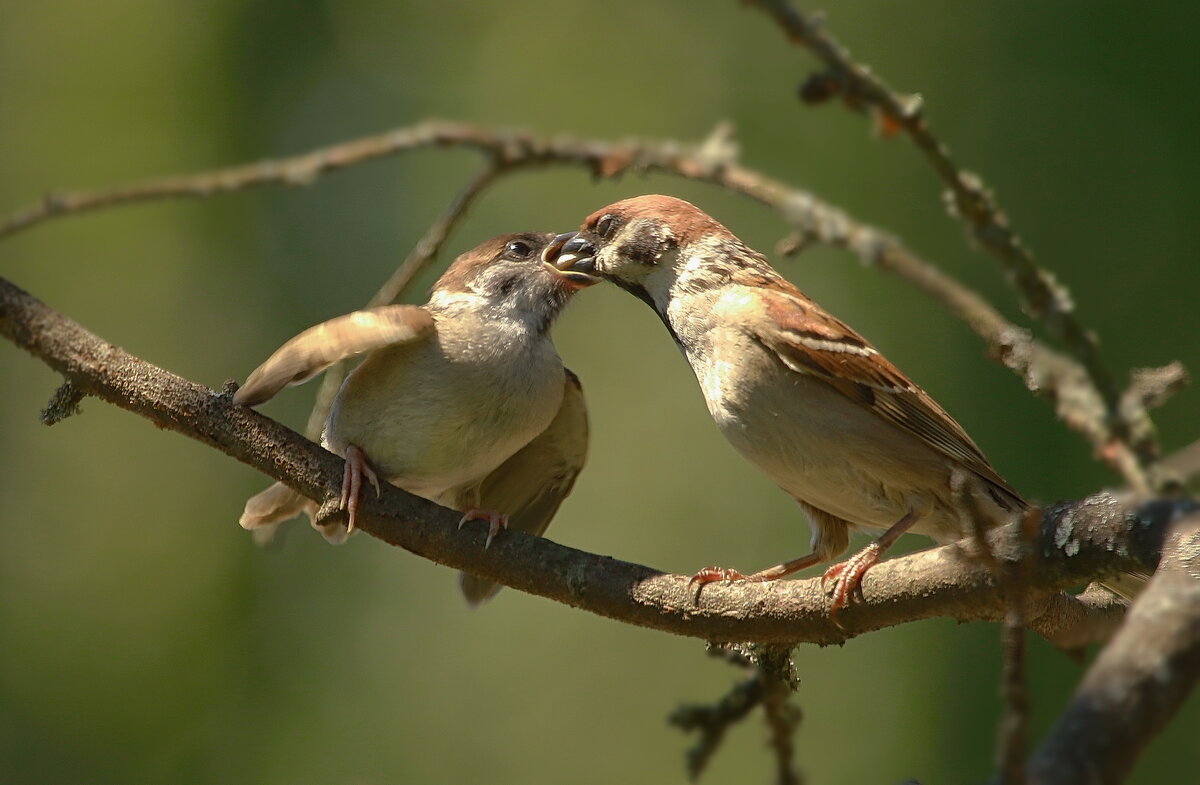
(838,457)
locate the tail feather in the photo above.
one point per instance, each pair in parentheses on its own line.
(477,590)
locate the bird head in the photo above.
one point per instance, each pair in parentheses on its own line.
(648,245)
(513,276)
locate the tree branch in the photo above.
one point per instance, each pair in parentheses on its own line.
(1077,541)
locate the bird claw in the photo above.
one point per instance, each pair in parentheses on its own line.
(848,577)
(356,468)
(714,574)
(497,522)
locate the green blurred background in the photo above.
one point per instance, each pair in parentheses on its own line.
(144,638)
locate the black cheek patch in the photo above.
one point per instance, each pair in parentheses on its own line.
(508,284)
(643,249)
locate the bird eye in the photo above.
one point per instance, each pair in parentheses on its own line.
(518,249)
(606,226)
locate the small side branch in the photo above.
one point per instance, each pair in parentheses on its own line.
(783,716)
(710,722)
(1013,733)
(772,686)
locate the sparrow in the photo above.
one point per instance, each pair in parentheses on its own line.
(795,390)
(463,400)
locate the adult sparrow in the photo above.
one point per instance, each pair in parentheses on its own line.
(463,400)
(799,393)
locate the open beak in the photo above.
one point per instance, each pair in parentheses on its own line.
(572,257)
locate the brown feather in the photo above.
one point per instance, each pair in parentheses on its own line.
(853,367)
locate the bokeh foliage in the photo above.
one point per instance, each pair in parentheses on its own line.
(144,639)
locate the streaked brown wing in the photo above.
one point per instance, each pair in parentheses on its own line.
(813,342)
(317,348)
(531,484)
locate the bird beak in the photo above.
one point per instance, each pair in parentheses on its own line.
(573,258)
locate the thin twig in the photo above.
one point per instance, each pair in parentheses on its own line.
(1012,746)
(1043,297)
(300,170)
(710,722)
(772,686)
(1012,732)
(1079,541)
(782,714)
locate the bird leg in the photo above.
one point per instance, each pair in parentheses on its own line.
(356,467)
(713,574)
(849,574)
(831,535)
(497,521)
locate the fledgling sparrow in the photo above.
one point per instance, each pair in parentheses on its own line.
(799,393)
(463,400)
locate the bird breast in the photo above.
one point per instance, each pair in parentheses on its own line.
(812,441)
(444,413)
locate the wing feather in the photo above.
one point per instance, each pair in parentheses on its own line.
(319,347)
(813,342)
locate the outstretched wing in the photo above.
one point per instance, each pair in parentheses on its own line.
(813,342)
(531,484)
(317,348)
